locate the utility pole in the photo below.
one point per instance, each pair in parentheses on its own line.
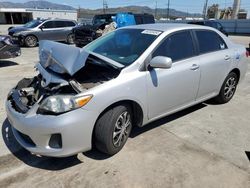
(205,9)
(155,9)
(105,6)
(236,8)
(168,10)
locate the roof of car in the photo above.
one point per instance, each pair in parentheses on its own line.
(167,26)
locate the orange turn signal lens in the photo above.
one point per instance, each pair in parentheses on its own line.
(81,101)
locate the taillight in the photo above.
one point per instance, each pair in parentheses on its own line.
(247,53)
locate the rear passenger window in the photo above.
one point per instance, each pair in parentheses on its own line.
(209,41)
(48,24)
(60,24)
(70,24)
(177,46)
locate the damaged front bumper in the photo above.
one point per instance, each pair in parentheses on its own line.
(8,49)
(57,136)
(49,135)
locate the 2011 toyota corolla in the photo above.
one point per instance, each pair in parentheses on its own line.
(93,96)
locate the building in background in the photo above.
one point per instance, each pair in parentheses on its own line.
(214,12)
(236,8)
(23,15)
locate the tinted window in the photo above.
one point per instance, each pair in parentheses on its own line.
(101,19)
(60,24)
(209,41)
(177,46)
(196,23)
(69,24)
(48,24)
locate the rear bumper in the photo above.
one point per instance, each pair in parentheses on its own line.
(75,128)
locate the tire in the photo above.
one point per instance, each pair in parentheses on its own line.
(30,41)
(70,39)
(228,89)
(111,132)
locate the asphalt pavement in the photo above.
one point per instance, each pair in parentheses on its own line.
(203,146)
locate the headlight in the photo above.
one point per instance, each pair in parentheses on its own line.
(63,103)
(7,41)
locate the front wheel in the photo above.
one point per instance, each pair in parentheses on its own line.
(112,129)
(30,41)
(228,89)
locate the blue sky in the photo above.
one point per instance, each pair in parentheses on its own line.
(192,6)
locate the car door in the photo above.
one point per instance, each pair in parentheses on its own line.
(61,30)
(169,89)
(46,31)
(215,62)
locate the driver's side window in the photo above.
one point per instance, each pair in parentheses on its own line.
(177,46)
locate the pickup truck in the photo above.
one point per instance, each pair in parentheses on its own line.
(84,34)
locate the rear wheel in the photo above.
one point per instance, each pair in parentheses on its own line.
(70,39)
(30,41)
(112,129)
(228,89)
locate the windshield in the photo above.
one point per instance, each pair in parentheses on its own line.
(33,23)
(99,20)
(123,46)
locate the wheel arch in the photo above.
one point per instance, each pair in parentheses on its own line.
(237,72)
(136,110)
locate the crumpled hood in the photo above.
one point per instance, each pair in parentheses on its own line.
(61,58)
(19,29)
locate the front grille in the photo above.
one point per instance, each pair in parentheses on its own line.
(26,139)
(17,102)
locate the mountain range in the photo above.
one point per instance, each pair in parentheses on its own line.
(36,4)
(88,13)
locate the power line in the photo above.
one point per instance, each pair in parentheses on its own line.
(156,9)
(105,6)
(205,9)
(168,10)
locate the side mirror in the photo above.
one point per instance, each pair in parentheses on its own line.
(41,27)
(161,62)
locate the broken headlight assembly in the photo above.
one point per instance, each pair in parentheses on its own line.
(59,104)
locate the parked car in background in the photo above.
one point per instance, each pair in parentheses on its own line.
(8,49)
(49,29)
(93,96)
(84,34)
(210,23)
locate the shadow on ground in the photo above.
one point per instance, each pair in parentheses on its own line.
(47,163)
(62,163)
(5,63)
(139,130)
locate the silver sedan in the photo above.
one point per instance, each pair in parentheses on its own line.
(93,96)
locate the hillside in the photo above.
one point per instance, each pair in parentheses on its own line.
(36,4)
(89,13)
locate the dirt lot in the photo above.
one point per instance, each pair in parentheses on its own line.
(203,146)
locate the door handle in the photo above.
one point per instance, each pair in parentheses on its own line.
(227,57)
(195,67)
